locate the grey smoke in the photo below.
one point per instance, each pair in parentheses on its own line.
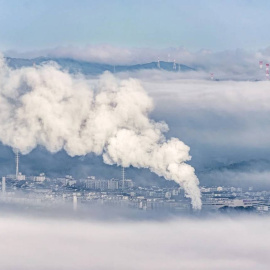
(46,106)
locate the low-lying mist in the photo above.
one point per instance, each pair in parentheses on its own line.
(220,243)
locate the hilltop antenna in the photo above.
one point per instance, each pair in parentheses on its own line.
(174,65)
(17,163)
(158,63)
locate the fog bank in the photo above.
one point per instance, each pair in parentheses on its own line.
(178,244)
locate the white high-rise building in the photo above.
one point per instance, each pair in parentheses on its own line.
(128,183)
(113,184)
(40,178)
(20,177)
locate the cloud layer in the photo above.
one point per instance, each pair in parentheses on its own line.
(208,244)
(224,122)
(237,64)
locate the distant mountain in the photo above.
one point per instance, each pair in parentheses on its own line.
(241,174)
(248,165)
(168,66)
(75,66)
(259,165)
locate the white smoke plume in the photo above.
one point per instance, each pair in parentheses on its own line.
(46,106)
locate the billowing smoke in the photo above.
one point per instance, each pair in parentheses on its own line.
(46,106)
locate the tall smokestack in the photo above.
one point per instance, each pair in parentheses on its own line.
(17,163)
(123,177)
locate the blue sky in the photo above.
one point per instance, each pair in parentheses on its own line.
(210,24)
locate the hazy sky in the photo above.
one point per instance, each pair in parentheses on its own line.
(212,24)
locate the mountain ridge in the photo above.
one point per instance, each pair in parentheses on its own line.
(87,68)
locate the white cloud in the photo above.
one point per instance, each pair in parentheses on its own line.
(226,112)
(224,122)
